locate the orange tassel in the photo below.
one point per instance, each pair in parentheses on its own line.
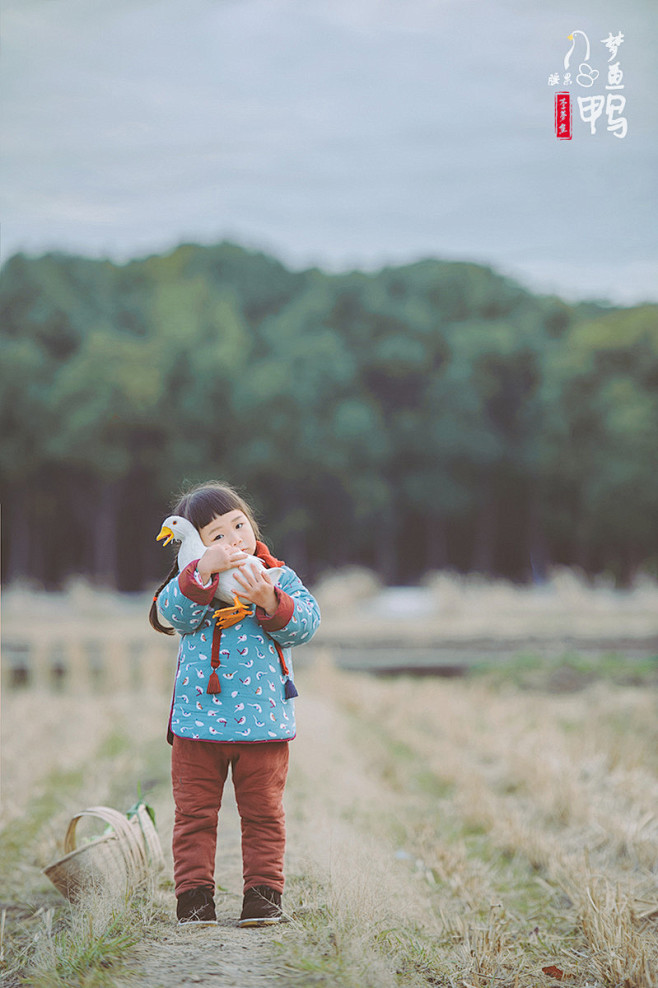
(214,686)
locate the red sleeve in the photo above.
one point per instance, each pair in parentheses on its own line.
(189,586)
(283,613)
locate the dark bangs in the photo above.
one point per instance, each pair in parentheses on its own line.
(205,502)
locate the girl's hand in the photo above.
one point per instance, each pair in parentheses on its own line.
(258,588)
(218,558)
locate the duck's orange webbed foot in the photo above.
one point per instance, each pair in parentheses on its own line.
(226,616)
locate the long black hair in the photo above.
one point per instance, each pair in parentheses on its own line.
(200,505)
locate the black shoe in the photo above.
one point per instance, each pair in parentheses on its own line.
(196,906)
(261,906)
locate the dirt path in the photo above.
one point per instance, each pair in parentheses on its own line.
(219,957)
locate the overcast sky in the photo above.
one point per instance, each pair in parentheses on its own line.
(343,133)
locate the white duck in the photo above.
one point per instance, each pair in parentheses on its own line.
(175,528)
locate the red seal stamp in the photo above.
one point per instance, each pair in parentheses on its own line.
(563,116)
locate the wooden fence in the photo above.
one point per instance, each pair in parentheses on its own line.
(80,664)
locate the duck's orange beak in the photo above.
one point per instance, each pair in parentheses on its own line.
(166,534)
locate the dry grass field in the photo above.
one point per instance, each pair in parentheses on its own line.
(496,830)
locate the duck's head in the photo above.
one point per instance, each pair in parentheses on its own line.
(174,529)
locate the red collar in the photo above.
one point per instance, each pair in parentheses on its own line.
(264,553)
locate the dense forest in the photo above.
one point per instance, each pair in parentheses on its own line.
(419,417)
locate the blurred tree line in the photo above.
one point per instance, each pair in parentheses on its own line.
(424,416)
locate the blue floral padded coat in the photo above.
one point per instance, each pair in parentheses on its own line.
(251,704)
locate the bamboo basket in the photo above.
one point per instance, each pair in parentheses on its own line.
(116,862)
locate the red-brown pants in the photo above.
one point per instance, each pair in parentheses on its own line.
(198,772)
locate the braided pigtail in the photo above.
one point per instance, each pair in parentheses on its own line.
(154,620)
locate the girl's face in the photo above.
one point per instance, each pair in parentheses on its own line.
(232,529)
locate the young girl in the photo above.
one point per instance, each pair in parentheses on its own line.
(232,704)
